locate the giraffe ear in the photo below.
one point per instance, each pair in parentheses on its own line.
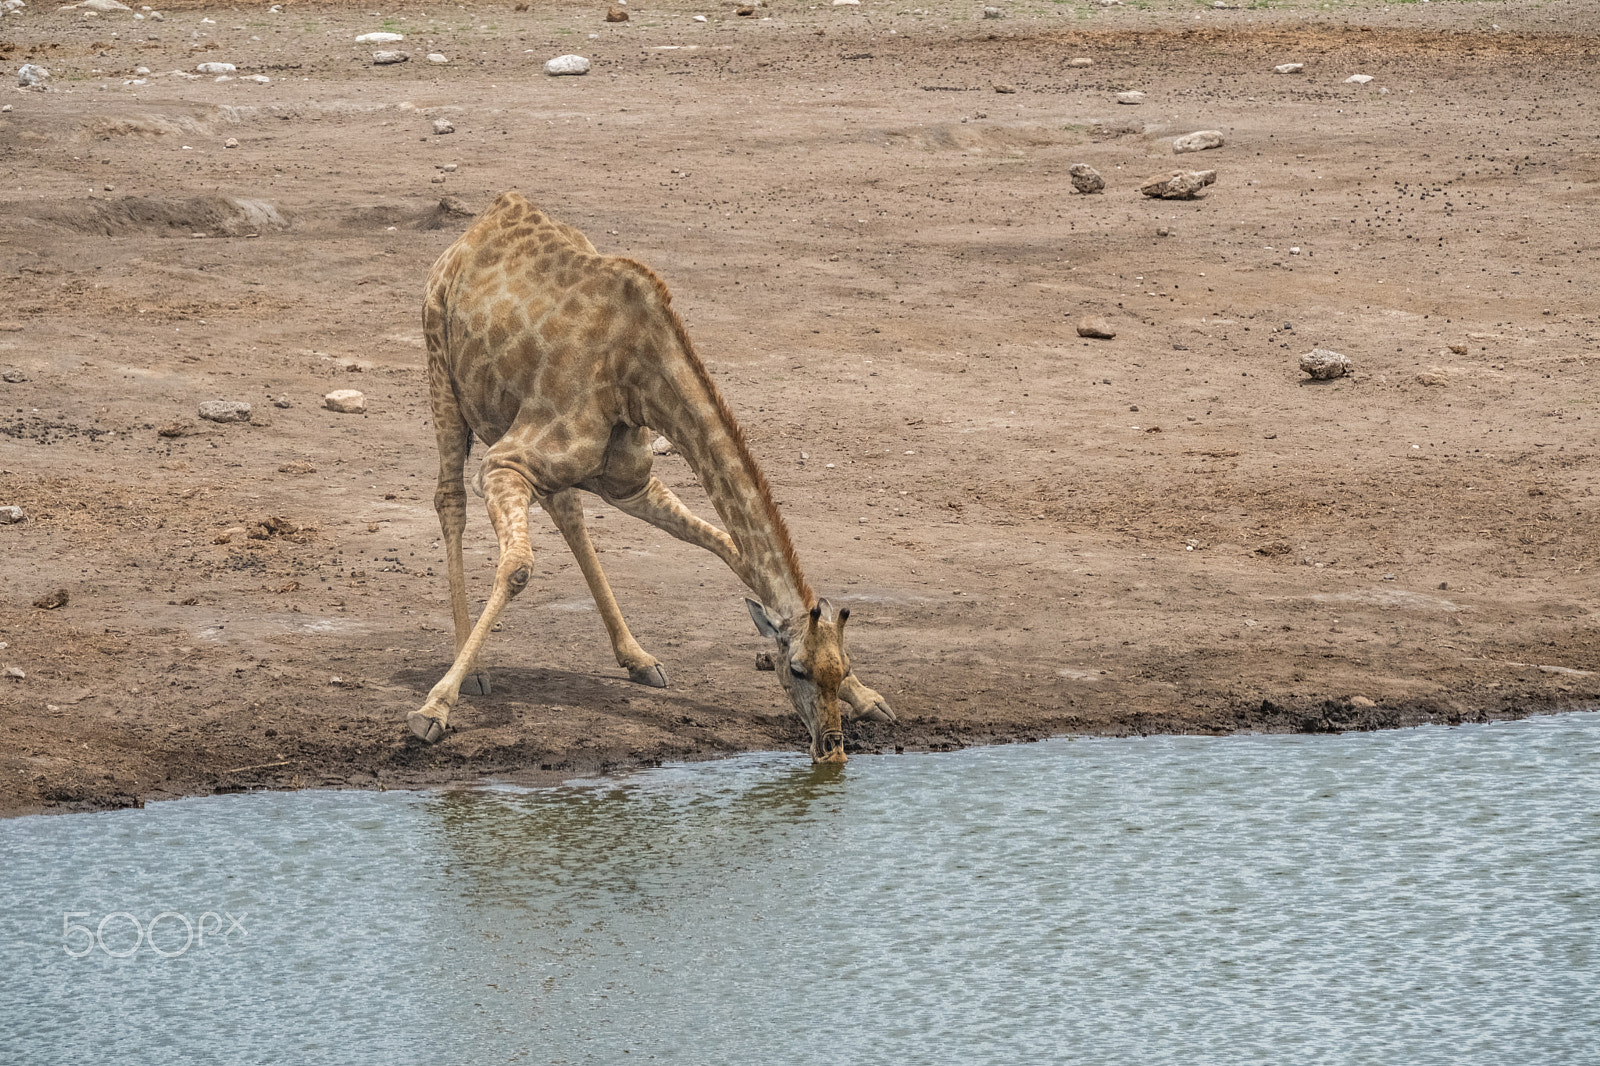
(766,625)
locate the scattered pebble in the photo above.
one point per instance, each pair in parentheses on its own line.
(661,446)
(15,377)
(1180,185)
(437,57)
(380,38)
(345,401)
(1003,88)
(992,13)
(216,68)
(1288,68)
(383,59)
(1163,231)
(568,64)
(283,402)
(259,79)
(1086,179)
(17,675)
(30,74)
(1358,79)
(699,18)
(51,600)
(616,14)
(1132,97)
(1198,141)
(1323,363)
(441,126)
(1434,375)
(231,142)
(1095,326)
(11,515)
(299,466)
(225,411)
(1081,61)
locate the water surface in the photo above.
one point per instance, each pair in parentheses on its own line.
(1420,896)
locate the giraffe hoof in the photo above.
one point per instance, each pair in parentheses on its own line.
(653,675)
(428,728)
(476,685)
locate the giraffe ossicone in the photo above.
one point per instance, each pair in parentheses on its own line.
(567,364)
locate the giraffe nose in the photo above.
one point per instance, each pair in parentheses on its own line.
(832,747)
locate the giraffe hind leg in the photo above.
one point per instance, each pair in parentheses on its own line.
(508,496)
(566,510)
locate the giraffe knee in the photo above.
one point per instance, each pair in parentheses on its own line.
(517,573)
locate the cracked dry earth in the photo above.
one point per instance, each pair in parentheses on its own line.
(881,259)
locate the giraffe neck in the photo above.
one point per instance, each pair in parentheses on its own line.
(689,411)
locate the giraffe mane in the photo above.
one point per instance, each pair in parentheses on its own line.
(735,433)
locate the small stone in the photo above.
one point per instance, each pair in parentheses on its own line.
(1358,79)
(15,377)
(661,446)
(1288,68)
(1086,179)
(1323,364)
(745,11)
(846,3)
(1133,97)
(1096,327)
(992,13)
(1198,141)
(30,74)
(1457,349)
(1180,185)
(616,14)
(51,600)
(1163,231)
(380,38)
(17,675)
(299,466)
(345,401)
(442,126)
(216,68)
(225,411)
(1081,61)
(259,79)
(1434,375)
(437,57)
(11,515)
(568,64)
(699,18)
(1362,702)
(1002,88)
(231,142)
(384,59)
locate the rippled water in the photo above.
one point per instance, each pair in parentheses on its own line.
(1423,896)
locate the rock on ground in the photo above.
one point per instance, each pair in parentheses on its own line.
(380,38)
(1358,79)
(1198,141)
(15,377)
(568,64)
(1180,185)
(438,57)
(1323,363)
(382,59)
(216,68)
(345,401)
(1133,97)
(1086,179)
(11,515)
(29,74)
(1288,68)
(225,411)
(1095,326)
(616,14)
(1434,375)
(441,126)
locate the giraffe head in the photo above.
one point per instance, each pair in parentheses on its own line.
(812,665)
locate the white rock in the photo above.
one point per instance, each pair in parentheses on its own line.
(992,13)
(442,126)
(225,411)
(28,74)
(437,57)
(103,7)
(216,68)
(1198,141)
(1288,68)
(380,38)
(1358,79)
(259,79)
(141,71)
(14,672)
(231,142)
(702,18)
(568,64)
(345,401)
(383,59)
(224,77)
(1134,97)
(1086,179)
(1322,363)
(846,3)
(661,446)
(10,515)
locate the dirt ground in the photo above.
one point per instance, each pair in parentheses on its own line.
(865,217)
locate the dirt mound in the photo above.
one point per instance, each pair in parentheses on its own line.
(135,214)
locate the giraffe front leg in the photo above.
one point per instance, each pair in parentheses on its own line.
(865,703)
(508,496)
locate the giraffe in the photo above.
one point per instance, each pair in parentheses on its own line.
(566,363)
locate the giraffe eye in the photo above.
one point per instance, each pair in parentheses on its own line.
(799,671)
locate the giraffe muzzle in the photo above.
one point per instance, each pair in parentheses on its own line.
(832,748)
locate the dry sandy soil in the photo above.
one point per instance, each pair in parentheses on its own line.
(881,259)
